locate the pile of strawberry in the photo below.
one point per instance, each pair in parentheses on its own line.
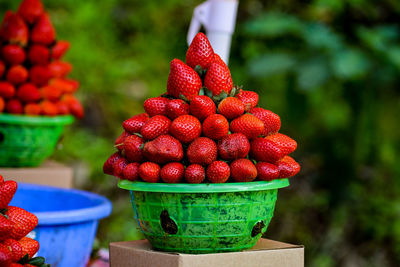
(33,78)
(202,130)
(15,223)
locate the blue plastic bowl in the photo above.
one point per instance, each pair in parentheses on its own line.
(68,220)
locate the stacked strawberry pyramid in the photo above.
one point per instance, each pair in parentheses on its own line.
(15,223)
(33,78)
(202,130)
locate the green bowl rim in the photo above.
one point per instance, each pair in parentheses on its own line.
(36,120)
(202,188)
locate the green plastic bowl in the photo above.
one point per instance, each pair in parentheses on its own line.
(26,141)
(203,218)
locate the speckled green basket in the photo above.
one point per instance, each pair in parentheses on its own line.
(26,141)
(203,218)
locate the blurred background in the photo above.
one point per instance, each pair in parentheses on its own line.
(330,69)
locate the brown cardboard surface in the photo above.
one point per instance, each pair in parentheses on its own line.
(266,253)
(49,173)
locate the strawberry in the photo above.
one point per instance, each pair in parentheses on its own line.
(2,68)
(218,78)
(132,148)
(156,106)
(59,69)
(48,108)
(231,107)
(39,75)
(74,106)
(202,106)
(32,109)
(30,10)
(29,246)
(67,86)
(218,59)
(7,90)
(248,125)
(13,29)
(215,126)
(62,107)
(1,179)
(59,49)
(14,106)
(109,163)
(119,166)
(243,170)
(5,255)
(149,172)
(28,92)
(195,174)
(51,93)
(186,128)
(249,99)
(15,248)
(163,149)
(24,221)
(7,191)
(17,74)
(262,149)
(13,54)
(267,171)
(200,52)
(6,227)
(288,167)
(284,142)
(272,122)
(131,171)
(38,55)
(155,126)
(2,104)
(183,80)
(176,108)
(218,172)
(119,142)
(135,124)
(43,31)
(233,146)
(202,151)
(172,172)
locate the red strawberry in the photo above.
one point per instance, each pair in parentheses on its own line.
(32,109)
(176,108)
(119,166)
(28,93)
(48,108)
(233,146)
(67,86)
(13,29)
(163,149)
(149,172)
(231,107)
(59,49)
(43,31)
(5,255)
(262,149)
(131,171)
(74,106)
(24,221)
(183,80)
(2,68)
(30,10)
(155,106)
(39,75)
(38,55)
(6,227)
(1,179)
(7,191)
(119,142)
(288,167)
(267,171)
(13,54)
(29,246)
(218,59)
(108,164)
(200,52)
(7,90)
(195,174)
(272,122)
(218,172)
(2,104)
(243,170)
(215,126)
(135,124)
(284,142)
(172,172)
(14,106)
(186,128)
(59,69)
(17,74)
(202,106)
(249,99)
(248,125)
(155,126)
(62,107)
(202,151)
(132,148)
(15,248)
(218,78)
(51,93)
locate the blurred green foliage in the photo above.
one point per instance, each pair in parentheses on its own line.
(329,68)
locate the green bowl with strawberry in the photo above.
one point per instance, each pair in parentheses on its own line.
(203,218)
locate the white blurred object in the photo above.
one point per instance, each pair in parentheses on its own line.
(218,18)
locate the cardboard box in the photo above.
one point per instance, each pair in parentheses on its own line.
(49,173)
(266,253)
